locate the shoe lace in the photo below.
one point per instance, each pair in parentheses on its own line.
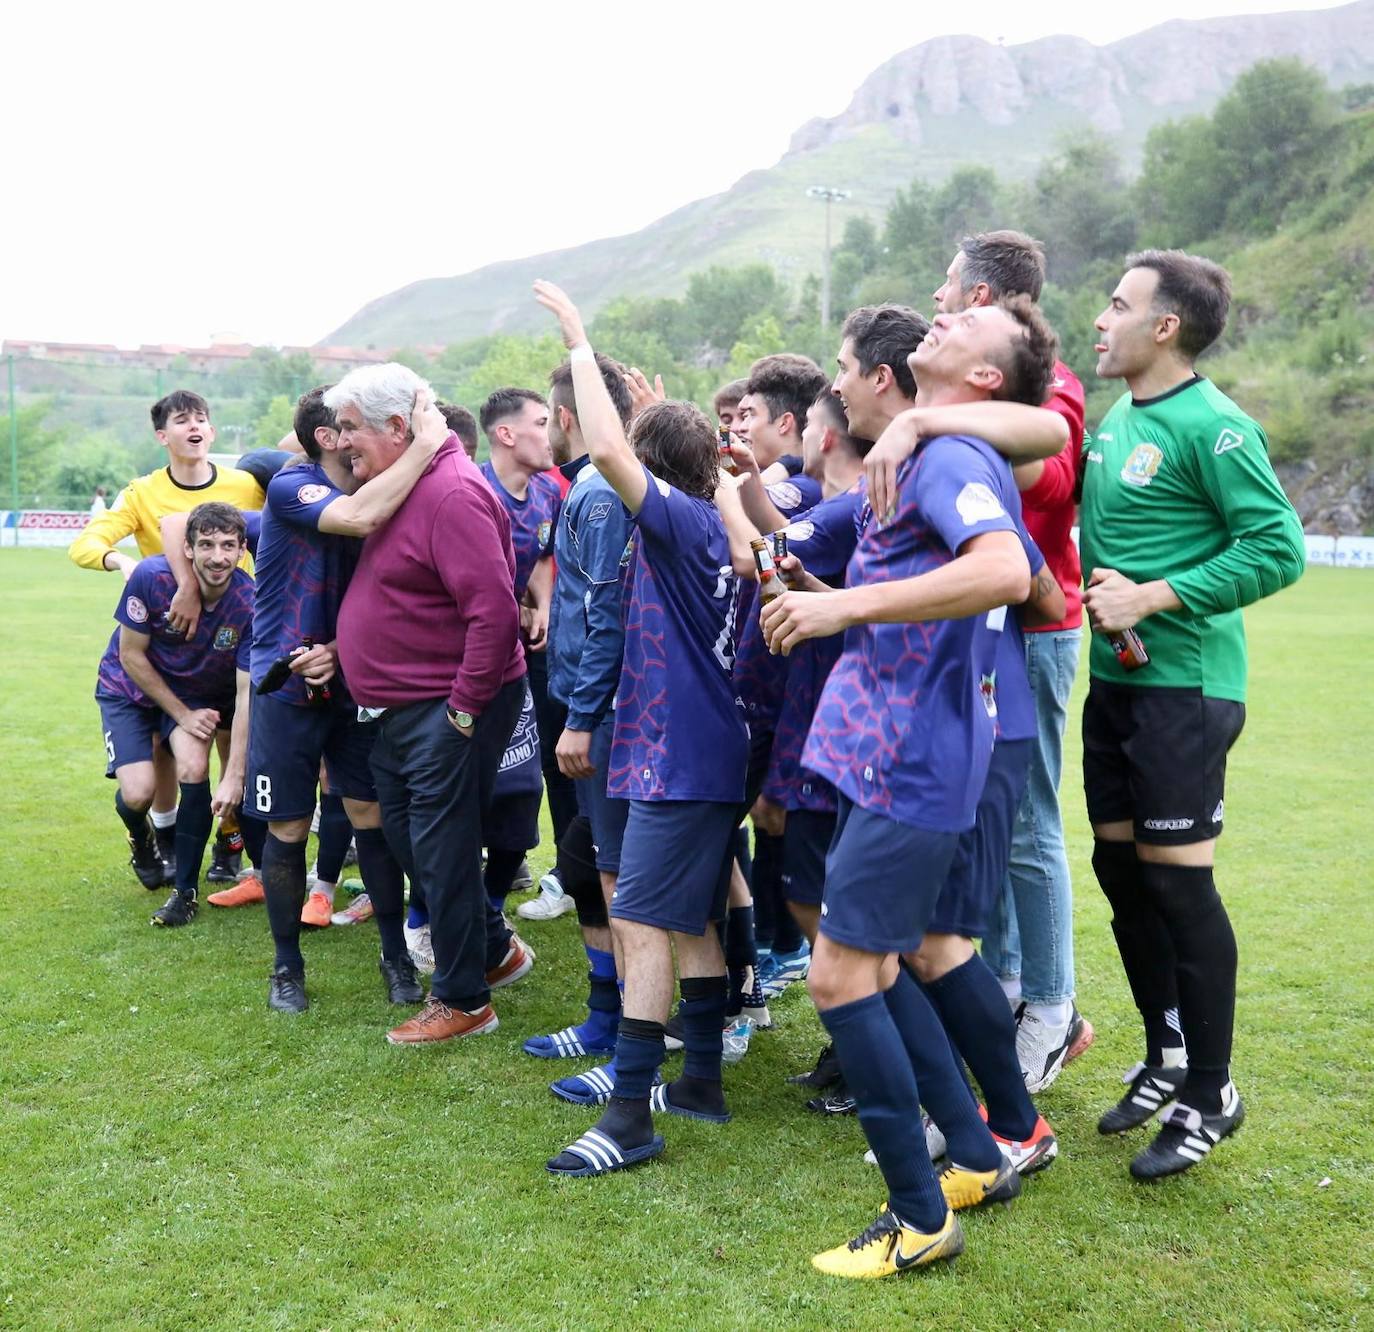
(886,1227)
(435,1010)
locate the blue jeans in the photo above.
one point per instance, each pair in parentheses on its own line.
(1032,928)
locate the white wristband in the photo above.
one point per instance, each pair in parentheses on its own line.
(582,352)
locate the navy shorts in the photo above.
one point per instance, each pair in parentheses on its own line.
(675,865)
(512,821)
(805,842)
(606,814)
(129,729)
(286,746)
(974,885)
(881,880)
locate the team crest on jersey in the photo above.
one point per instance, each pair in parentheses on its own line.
(1142,465)
(226,638)
(629,552)
(312,494)
(135,609)
(987,687)
(544,529)
(977,504)
(1226,441)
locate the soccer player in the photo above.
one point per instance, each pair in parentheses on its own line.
(586,646)
(463,424)
(516,424)
(181,423)
(1183,523)
(1031,943)
(678,756)
(727,400)
(429,639)
(316,513)
(155,680)
(903,734)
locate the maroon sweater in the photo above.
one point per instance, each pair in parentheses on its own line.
(430,611)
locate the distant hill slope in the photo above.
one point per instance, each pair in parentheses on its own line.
(945,102)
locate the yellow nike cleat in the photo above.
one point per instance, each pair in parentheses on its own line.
(888,1246)
(972,1188)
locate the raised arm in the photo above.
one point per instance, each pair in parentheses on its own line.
(367,508)
(607,446)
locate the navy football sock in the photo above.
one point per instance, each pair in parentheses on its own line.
(283,882)
(974,1011)
(603,998)
(944,1092)
(385,885)
(254,832)
(878,1072)
(135,820)
(193,831)
(335,834)
(499,875)
(703,1017)
(638,1054)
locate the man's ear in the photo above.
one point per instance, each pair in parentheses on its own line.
(786,424)
(1166,327)
(986,377)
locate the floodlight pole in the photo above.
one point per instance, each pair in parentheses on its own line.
(14,451)
(829,195)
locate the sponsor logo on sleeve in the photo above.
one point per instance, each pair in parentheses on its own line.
(802,531)
(1226,441)
(1142,465)
(598,511)
(977,504)
(135,609)
(664,488)
(312,494)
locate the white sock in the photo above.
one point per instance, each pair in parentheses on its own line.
(1052,1015)
(164,818)
(1175,1056)
(1011,987)
(319,886)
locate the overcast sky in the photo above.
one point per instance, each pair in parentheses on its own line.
(173,171)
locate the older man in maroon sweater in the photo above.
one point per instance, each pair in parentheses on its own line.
(429,639)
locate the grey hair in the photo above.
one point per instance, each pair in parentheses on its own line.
(379,392)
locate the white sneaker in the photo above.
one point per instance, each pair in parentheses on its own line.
(1041,1049)
(551,903)
(935,1142)
(421,948)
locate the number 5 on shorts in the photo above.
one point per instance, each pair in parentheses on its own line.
(262,793)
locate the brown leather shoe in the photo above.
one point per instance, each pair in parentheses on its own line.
(436,1021)
(517,962)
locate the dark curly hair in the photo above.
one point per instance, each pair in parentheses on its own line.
(1028,365)
(676,442)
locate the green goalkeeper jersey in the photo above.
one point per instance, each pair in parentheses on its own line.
(1180,487)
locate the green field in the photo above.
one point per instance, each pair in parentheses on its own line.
(174,1156)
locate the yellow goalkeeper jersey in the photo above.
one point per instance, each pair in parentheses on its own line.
(146,500)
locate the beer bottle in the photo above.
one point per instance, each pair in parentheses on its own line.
(1129,649)
(316,695)
(780,554)
(770,581)
(726,461)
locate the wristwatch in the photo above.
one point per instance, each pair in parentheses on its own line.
(464,719)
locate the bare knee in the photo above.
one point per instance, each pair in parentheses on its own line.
(137,785)
(290,830)
(938,955)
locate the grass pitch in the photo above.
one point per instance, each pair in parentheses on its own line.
(174,1156)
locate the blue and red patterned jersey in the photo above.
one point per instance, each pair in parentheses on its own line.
(198,670)
(902,728)
(302,573)
(1000,652)
(824,540)
(679,734)
(533,521)
(760,677)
